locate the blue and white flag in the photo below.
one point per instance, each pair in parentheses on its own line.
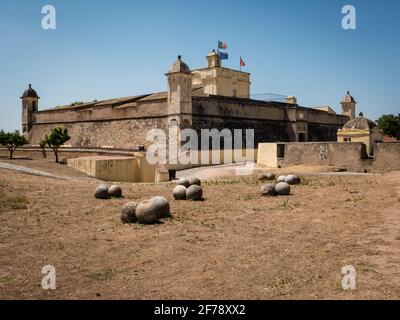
(223,55)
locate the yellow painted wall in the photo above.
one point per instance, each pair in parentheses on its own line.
(223,81)
(123,169)
(214,157)
(268,154)
(146,171)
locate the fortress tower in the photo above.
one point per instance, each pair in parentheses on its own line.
(30,103)
(218,80)
(349,106)
(179,94)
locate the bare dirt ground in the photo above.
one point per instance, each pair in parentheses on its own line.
(234,245)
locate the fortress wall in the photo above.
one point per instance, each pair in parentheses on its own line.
(322,117)
(125,126)
(264,130)
(236,108)
(271,121)
(131,110)
(268,122)
(117,133)
(323,132)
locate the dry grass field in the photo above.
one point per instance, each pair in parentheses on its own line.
(233,245)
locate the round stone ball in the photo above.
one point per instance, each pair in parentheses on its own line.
(115,191)
(297,178)
(292,179)
(179,193)
(183,182)
(268,190)
(128,212)
(101,192)
(281,179)
(266,176)
(282,189)
(151,210)
(194,192)
(194,181)
(163,205)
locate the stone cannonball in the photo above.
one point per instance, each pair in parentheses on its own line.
(115,191)
(179,193)
(183,182)
(292,179)
(151,210)
(194,181)
(281,179)
(282,189)
(266,176)
(268,189)
(101,192)
(194,192)
(128,212)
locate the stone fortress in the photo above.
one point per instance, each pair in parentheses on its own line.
(206,98)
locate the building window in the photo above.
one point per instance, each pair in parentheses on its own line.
(234,92)
(347,139)
(280,151)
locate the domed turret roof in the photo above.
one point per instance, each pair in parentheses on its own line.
(179,66)
(30,93)
(359,123)
(348,98)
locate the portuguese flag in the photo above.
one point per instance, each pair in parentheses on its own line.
(222,45)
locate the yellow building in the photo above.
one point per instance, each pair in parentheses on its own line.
(360,129)
(217,80)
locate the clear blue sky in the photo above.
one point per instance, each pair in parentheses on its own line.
(106,49)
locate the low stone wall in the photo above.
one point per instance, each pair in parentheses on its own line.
(387,156)
(350,155)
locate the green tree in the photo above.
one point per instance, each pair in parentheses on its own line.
(43,147)
(56,138)
(12,140)
(390,124)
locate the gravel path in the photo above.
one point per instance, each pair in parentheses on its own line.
(26,170)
